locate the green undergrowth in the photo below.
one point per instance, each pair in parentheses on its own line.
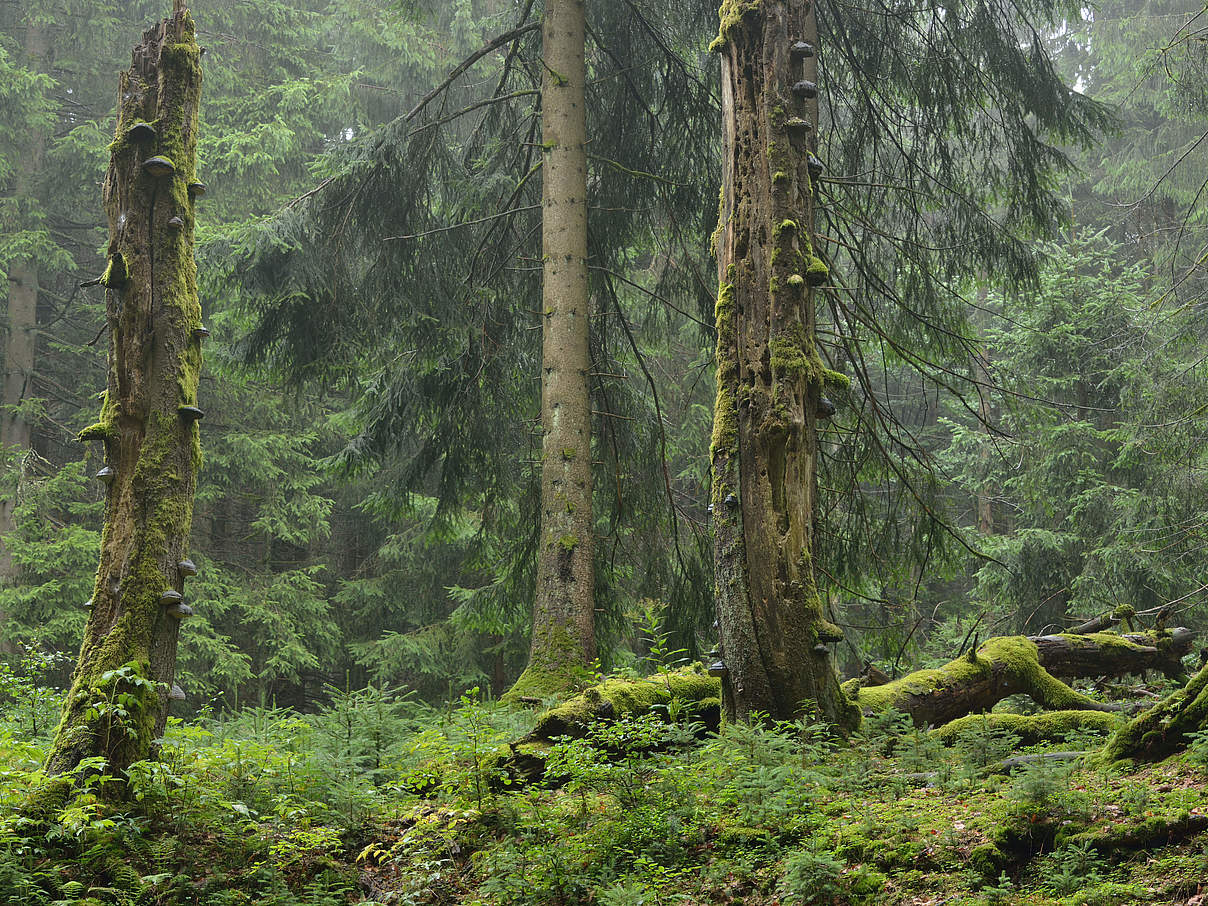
(378,799)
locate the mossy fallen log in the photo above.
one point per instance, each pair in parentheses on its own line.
(977,681)
(1049,726)
(1147,834)
(696,693)
(1163,729)
(688,694)
(1111,654)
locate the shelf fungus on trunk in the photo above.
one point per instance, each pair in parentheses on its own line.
(190,413)
(187,567)
(801,50)
(159,166)
(151,464)
(798,129)
(805,90)
(141,132)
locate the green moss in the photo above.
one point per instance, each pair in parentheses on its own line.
(615,698)
(1013,659)
(785,227)
(105,427)
(987,860)
(568,453)
(725,413)
(731,14)
(835,380)
(568,542)
(1162,729)
(816,271)
(117,272)
(1049,726)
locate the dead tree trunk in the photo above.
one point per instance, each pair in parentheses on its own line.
(1011,665)
(774,654)
(122,683)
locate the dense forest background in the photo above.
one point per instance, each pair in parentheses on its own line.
(1020,457)
(1020,448)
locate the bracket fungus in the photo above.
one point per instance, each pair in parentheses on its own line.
(159,166)
(805,90)
(801,50)
(141,132)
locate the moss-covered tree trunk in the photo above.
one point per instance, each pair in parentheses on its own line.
(769,375)
(563,642)
(118,700)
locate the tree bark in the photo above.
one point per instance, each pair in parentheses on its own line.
(118,701)
(769,374)
(563,641)
(1011,665)
(21,339)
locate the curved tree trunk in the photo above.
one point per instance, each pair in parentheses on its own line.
(1011,665)
(120,689)
(775,659)
(563,642)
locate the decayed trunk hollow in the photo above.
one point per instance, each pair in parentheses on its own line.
(120,689)
(1011,665)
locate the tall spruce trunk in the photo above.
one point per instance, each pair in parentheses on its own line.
(770,377)
(563,641)
(119,695)
(21,339)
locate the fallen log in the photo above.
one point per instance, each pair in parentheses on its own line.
(1109,654)
(1048,726)
(1164,728)
(1010,665)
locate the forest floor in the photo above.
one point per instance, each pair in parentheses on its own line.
(377,799)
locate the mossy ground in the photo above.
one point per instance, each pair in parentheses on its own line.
(271,807)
